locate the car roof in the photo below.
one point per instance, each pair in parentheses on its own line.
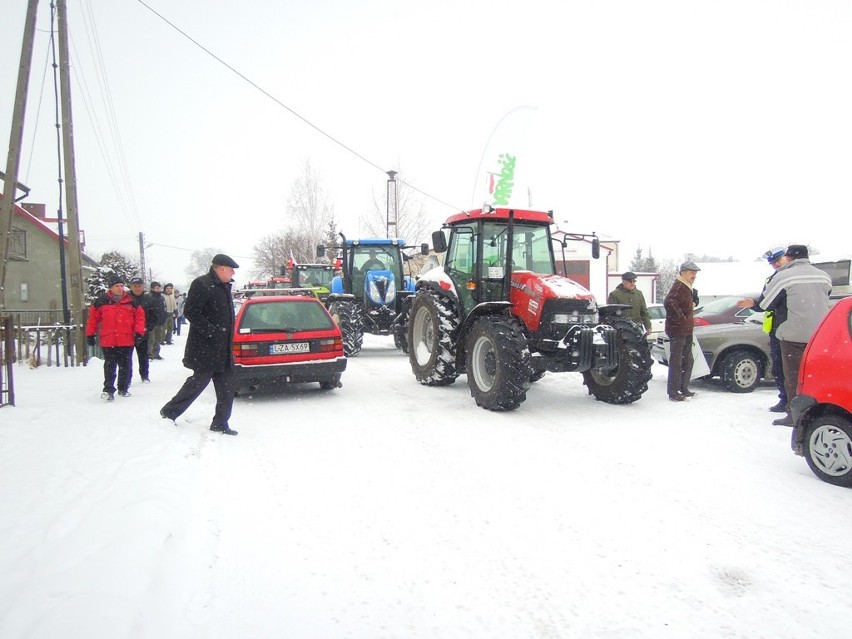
(268,299)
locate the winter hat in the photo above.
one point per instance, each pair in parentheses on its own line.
(629,276)
(137,280)
(773,254)
(797,251)
(689,266)
(114,279)
(155,284)
(223,260)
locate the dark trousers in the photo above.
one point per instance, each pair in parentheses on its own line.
(791,357)
(223,383)
(117,356)
(142,355)
(777,367)
(680,364)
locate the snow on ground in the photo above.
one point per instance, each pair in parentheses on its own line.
(389,509)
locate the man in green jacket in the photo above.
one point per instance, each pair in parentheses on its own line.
(627,293)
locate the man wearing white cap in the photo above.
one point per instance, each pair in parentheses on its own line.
(679,324)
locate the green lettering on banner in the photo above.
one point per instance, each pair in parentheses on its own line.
(506,179)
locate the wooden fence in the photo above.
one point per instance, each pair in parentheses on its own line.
(36,345)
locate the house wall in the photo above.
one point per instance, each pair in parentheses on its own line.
(645,282)
(38,269)
(579,261)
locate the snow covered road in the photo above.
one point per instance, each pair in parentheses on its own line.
(389,509)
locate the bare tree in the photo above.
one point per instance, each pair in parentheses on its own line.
(411,224)
(308,211)
(270,254)
(199,262)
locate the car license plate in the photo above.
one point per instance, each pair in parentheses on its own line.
(294,347)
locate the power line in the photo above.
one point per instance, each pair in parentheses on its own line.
(284,106)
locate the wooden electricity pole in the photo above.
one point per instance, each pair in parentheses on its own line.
(75,260)
(13,160)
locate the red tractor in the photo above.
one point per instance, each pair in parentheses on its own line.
(498,311)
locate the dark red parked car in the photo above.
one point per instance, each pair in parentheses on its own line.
(822,410)
(723,311)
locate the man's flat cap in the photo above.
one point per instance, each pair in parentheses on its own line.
(223,260)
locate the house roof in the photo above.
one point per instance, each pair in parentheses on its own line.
(41,226)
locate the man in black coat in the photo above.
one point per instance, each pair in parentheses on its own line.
(143,299)
(210,311)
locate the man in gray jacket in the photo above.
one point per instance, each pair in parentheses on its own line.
(798,297)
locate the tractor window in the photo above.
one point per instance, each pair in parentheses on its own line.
(460,261)
(374,258)
(532,250)
(461,256)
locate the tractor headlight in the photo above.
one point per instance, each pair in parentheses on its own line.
(575,317)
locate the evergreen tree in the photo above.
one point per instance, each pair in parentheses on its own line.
(332,239)
(638,263)
(650,264)
(112,263)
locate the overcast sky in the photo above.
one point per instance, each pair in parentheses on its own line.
(718,128)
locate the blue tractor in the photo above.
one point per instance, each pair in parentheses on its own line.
(368,296)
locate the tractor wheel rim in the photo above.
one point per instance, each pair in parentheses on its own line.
(484,364)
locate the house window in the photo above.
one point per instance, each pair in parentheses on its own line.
(18,243)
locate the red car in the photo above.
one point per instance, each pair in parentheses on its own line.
(822,410)
(286,339)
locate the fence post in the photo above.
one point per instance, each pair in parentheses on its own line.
(7,355)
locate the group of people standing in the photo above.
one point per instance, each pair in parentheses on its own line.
(795,299)
(115,318)
(125,319)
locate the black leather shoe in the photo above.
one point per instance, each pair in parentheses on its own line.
(225,430)
(787,420)
(687,393)
(676,398)
(780,407)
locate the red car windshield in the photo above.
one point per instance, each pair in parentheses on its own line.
(289,317)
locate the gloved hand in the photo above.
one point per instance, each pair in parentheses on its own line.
(140,337)
(90,340)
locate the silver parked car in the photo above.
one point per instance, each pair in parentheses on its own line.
(738,354)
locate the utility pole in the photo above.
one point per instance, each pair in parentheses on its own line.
(10,184)
(141,255)
(392,205)
(75,266)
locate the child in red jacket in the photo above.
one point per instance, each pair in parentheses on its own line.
(120,321)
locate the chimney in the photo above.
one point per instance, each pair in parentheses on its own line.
(36,210)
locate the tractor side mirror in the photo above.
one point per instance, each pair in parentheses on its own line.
(439,242)
(596,248)
(424,248)
(320,250)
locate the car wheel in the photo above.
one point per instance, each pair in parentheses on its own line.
(740,371)
(828,449)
